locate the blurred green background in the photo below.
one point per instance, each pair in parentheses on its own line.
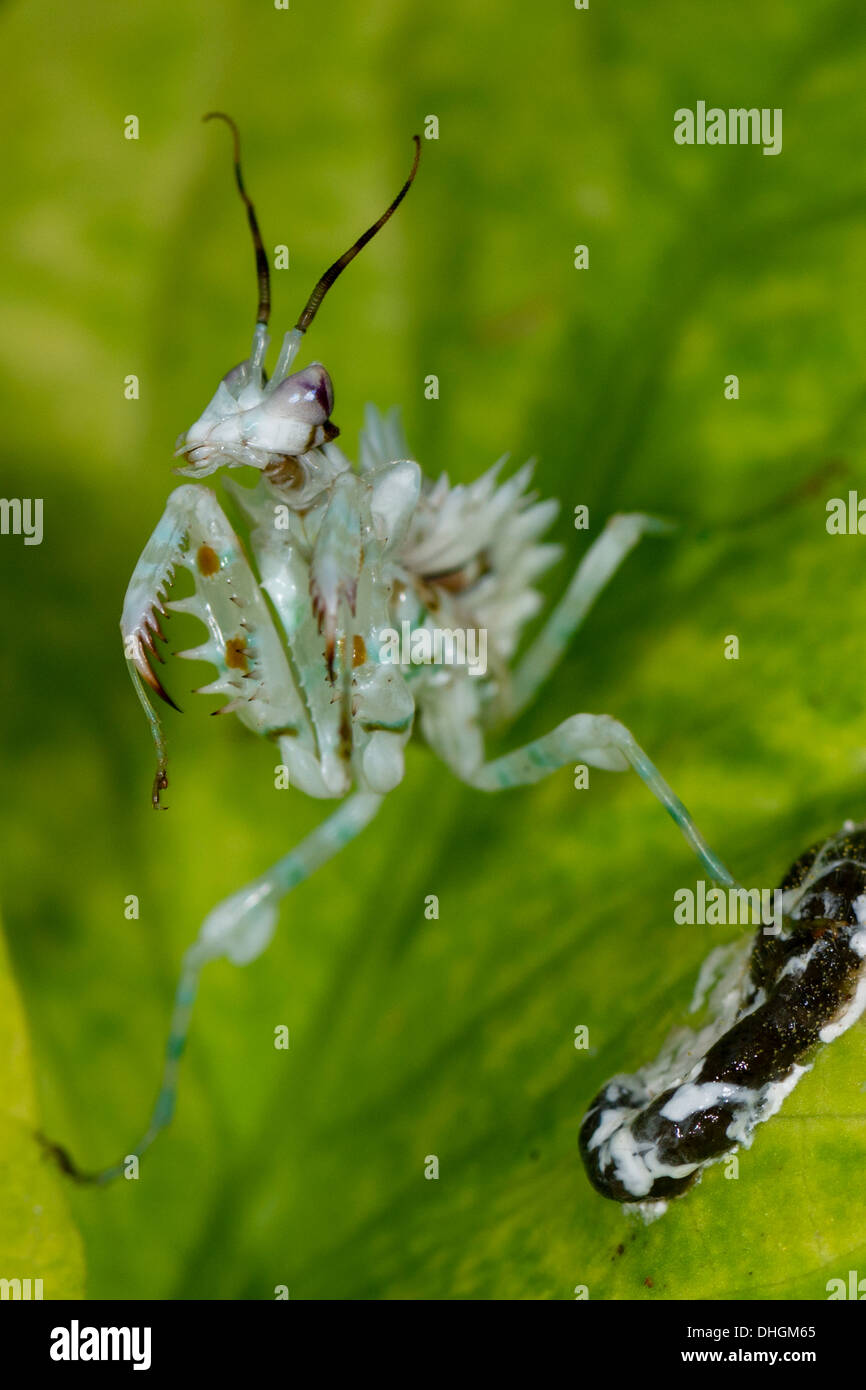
(411,1037)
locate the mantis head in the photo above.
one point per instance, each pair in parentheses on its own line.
(279,425)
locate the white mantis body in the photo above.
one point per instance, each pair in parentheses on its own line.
(337,556)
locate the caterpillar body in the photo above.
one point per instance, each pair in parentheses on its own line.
(773,1001)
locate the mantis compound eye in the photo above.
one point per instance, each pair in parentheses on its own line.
(307,396)
(299,410)
(235,380)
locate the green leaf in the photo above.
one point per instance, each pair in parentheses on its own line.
(452,1037)
(38,1240)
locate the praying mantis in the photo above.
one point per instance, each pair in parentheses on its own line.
(337,556)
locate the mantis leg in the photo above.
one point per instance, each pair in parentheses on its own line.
(602,560)
(603,742)
(240,928)
(242,641)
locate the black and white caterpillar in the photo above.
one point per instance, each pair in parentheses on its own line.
(772,1002)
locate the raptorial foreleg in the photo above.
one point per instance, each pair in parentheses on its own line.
(242,641)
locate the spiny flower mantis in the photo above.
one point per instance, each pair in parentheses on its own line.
(337,557)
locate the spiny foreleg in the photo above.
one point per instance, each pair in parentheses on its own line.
(242,641)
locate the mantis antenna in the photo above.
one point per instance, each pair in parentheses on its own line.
(312,305)
(311,308)
(262,272)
